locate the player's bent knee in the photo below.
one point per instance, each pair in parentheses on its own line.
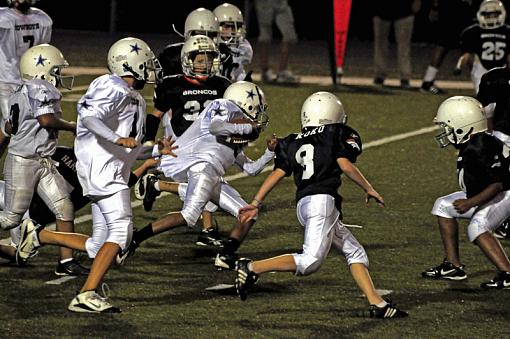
(358,256)
(64,210)
(191,215)
(307,264)
(442,208)
(10,220)
(474,230)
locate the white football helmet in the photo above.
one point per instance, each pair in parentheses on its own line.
(491,14)
(209,63)
(201,21)
(458,118)
(250,98)
(322,108)
(133,57)
(231,23)
(45,62)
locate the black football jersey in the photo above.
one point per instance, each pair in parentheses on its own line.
(187,98)
(311,156)
(227,61)
(495,88)
(491,45)
(170,59)
(482,162)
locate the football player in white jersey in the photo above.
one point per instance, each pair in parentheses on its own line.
(233,34)
(109,132)
(34,122)
(325,149)
(21,27)
(205,150)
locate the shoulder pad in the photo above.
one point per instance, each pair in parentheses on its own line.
(41,90)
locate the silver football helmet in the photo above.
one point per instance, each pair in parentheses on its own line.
(491,14)
(458,118)
(45,62)
(250,98)
(231,23)
(322,108)
(201,21)
(200,57)
(133,57)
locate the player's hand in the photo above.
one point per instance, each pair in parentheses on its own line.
(272,141)
(462,205)
(372,194)
(73,127)
(151,163)
(127,142)
(457,71)
(166,146)
(247,213)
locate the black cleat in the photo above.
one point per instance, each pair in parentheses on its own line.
(209,237)
(28,242)
(129,251)
(503,231)
(388,311)
(245,279)
(151,193)
(226,261)
(429,87)
(71,267)
(446,270)
(501,281)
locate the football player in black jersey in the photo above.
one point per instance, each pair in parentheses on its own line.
(485,45)
(179,99)
(317,156)
(41,214)
(484,199)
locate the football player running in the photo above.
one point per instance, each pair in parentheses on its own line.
(485,45)
(111,116)
(484,198)
(317,156)
(21,27)
(233,42)
(34,122)
(212,144)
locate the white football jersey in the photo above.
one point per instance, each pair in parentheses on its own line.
(241,57)
(104,167)
(197,144)
(34,98)
(19,32)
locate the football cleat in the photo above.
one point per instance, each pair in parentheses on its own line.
(245,279)
(503,231)
(429,87)
(209,237)
(91,302)
(151,193)
(139,188)
(72,268)
(28,242)
(446,270)
(226,261)
(501,281)
(388,311)
(129,251)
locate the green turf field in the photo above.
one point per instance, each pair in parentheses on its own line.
(162,288)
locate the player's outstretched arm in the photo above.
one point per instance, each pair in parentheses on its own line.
(250,211)
(51,121)
(355,175)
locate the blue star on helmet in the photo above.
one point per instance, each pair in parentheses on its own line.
(135,48)
(250,94)
(40,60)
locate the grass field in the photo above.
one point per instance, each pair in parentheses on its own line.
(162,288)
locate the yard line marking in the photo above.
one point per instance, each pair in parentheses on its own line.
(60,280)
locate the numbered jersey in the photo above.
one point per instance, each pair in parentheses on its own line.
(312,157)
(482,161)
(186,98)
(490,45)
(104,167)
(19,32)
(235,59)
(31,100)
(495,88)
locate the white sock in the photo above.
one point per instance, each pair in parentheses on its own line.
(430,74)
(63,261)
(382,304)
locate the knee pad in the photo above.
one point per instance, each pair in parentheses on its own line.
(357,256)
(442,208)
(63,209)
(9,220)
(474,229)
(307,264)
